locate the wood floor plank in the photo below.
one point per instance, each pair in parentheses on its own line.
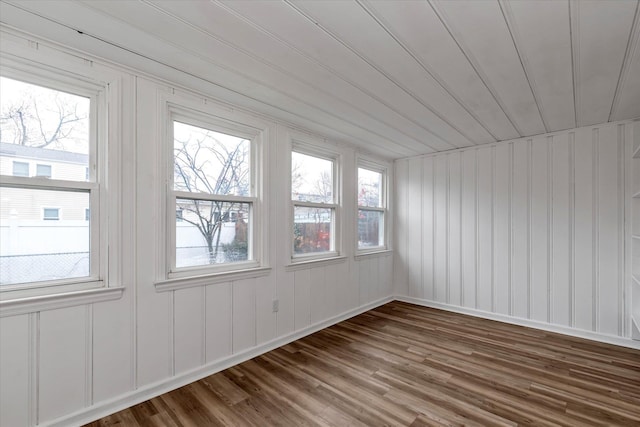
(406,365)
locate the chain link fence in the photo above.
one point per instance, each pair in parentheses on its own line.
(40,267)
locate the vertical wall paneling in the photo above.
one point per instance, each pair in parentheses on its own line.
(302,297)
(15,399)
(520,230)
(244,314)
(343,288)
(441,237)
(112,340)
(484,294)
(402,212)
(455,249)
(152,317)
(364,280)
(583,221)
(318,294)
(469,261)
(414,223)
(541,228)
(331,296)
(62,370)
(560,244)
(189,329)
(265,317)
(428,227)
(501,206)
(218,321)
(608,229)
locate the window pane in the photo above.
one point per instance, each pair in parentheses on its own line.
(44,124)
(43,170)
(312,230)
(209,233)
(51,214)
(370,228)
(20,169)
(34,249)
(211,162)
(369,188)
(311,178)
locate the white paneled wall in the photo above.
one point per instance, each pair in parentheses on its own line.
(530,229)
(73,364)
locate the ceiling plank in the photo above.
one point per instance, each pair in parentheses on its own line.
(305,37)
(418,28)
(626,102)
(354,27)
(543,39)
(215,20)
(59,21)
(201,51)
(481,31)
(600,39)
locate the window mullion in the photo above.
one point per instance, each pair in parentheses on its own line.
(213,197)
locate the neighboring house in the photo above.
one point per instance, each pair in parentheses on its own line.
(20,160)
(44,235)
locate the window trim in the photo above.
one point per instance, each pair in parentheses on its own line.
(57,218)
(19,162)
(302,145)
(185,112)
(38,165)
(373,166)
(36,73)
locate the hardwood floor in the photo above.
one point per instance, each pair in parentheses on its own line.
(404,365)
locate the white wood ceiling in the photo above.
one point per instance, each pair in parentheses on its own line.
(395,77)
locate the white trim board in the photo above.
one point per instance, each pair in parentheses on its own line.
(565,330)
(127,400)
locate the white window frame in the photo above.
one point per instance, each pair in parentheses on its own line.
(38,165)
(20,162)
(44,218)
(209,120)
(302,146)
(373,166)
(59,80)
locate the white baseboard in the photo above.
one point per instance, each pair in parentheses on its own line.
(102,409)
(579,333)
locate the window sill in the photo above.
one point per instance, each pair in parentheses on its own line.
(208,279)
(17,306)
(373,254)
(317,262)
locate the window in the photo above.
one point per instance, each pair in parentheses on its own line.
(51,121)
(371,208)
(212,199)
(43,171)
(314,204)
(51,214)
(87,214)
(20,168)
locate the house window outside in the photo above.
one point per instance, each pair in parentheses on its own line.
(43,171)
(314,205)
(20,168)
(212,198)
(372,208)
(51,214)
(52,123)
